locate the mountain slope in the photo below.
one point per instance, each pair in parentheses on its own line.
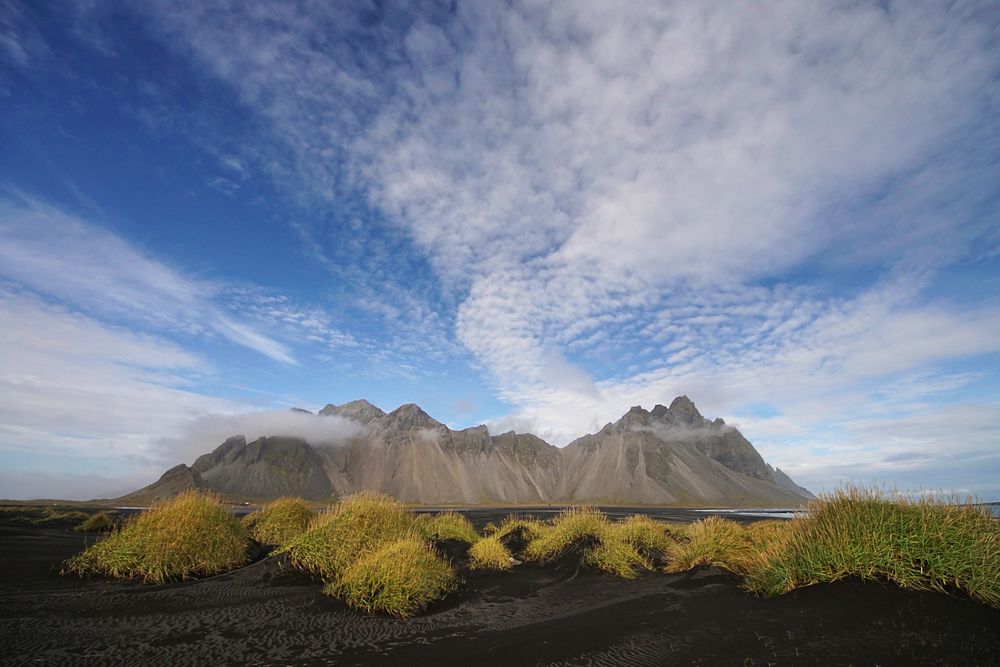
(411,456)
(785,482)
(265,468)
(669,455)
(177,479)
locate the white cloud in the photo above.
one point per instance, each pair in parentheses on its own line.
(86,396)
(205,433)
(627,186)
(946,449)
(84,387)
(57,254)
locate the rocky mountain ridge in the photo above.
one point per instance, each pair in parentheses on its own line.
(667,455)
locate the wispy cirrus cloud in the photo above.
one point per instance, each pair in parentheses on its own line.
(102,351)
(606,206)
(626,203)
(77,391)
(57,254)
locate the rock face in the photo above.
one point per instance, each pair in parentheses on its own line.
(411,456)
(361,411)
(265,468)
(785,482)
(177,479)
(669,455)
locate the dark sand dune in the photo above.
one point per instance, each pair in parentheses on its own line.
(264,614)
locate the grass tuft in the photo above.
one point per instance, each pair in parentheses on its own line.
(351,529)
(371,553)
(577,526)
(43,516)
(921,544)
(528,529)
(622,548)
(649,535)
(55,517)
(446,526)
(711,541)
(96,523)
(401,578)
(279,521)
(189,535)
(489,553)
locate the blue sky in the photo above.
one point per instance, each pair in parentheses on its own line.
(528,215)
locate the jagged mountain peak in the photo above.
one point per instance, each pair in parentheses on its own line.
(359,410)
(667,455)
(636,416)
(682,412)
(682,402)
(407,416)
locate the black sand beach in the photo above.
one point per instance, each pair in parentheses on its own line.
(265,614)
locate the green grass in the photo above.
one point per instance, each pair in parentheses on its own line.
(401,578)
(187,536)
(489,553)
(711,541)
(378,556)
(53,516)
(571,528)
(529,528)
(370,551)
(624,548)
(279,521)
(96,523)
(351,529)
(446,526)
(648,534)
(920,545)
(44,516)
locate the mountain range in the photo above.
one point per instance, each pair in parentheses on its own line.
(665,456)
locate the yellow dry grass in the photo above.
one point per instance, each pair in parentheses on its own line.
(623,548)
(489,553)
(711,541)
(925,544)
(352,528)
(369,551)
(400,579)
(189,535)
(279,521)
(446,526)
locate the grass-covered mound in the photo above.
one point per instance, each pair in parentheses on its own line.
(497,549)
(98,522)
(371,553)
(516,531)
(189,535)
(351,529)
(711,541)
(279,521)
(622,548)
(446,526)
(379,557)
(53,516)
(920,545)
(489,553)
(401,578)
